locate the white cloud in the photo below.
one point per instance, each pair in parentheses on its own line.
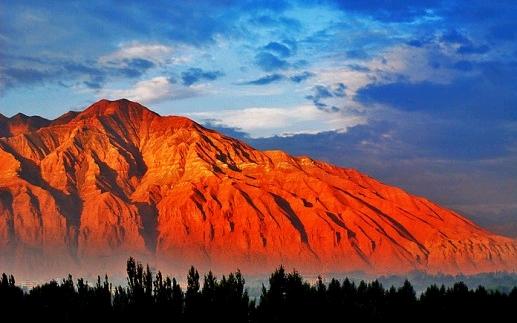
(433,63)
(411,64)
(153,90)
(354,80)
(154,52)
(399,62)
(393,64)
(415,64)
(266,122)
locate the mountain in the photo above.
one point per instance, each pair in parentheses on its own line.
(20,123)
(86,190)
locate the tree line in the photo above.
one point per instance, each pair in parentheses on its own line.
(287,298)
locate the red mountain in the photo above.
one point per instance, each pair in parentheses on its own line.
(87,190)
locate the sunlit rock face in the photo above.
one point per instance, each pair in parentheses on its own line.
(83,192)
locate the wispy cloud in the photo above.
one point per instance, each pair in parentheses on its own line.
(279,48)
(264,122)
(154,90)
(153,52)
(194,75)
(300,77)
(270,62)
(264,80)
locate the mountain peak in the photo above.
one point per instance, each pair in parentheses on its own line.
(121,107)
(21,123)
(126,113)
(19,116)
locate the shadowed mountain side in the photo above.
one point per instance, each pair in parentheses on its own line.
(20,123)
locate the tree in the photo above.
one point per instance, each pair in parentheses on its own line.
(177,303)
(231,299)
(193,305)
(406,294)
(140,288)
(11,296)
(287,298)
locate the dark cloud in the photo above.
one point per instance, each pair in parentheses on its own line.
(269,62)
(339,90)
(56,70)
(389,11)
(356,54)
(13,76)
(98,22)
(455,37)
(268,79)
(298,78)
(322,92)
(176,20)
(273,56)
(98,73)
(95,83)
(275,22)
(88,30)
(503,31)
(477,12)
(139,63)
(472,49)
(195,75)
(179,22)
(229,131)
(276,77)
(81,68)
(358,67)
(466,119)
(275,6)
(463,65)
(467,46)
(404,96)
(278,48)
(418,42)
(301,63)
(486,96)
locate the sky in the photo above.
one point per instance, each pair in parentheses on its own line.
(419,94)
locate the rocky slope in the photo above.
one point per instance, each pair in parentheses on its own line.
(83,192)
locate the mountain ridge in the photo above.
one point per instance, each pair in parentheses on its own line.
(90,188)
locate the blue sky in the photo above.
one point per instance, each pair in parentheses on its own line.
(421,94)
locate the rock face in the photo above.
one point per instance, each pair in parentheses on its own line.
(83,192)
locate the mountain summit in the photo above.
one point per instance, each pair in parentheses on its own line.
(88,189)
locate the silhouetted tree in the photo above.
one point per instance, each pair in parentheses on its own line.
(231,299)
(11,296)
(102,296)
(272,299)
(177,304)
(121,302)
(193,305)
(287,298)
